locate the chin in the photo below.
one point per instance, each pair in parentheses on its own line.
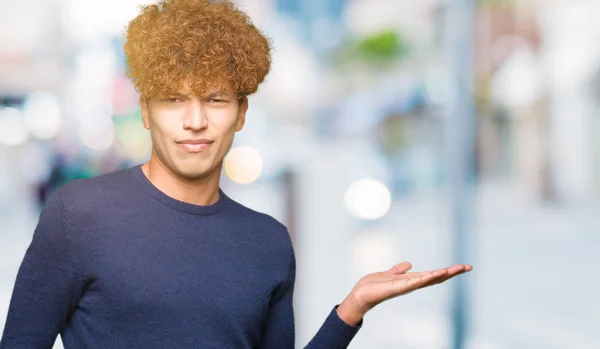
(192,172)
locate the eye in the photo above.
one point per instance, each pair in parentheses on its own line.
(216,100)
(172,100)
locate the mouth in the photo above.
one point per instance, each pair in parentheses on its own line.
(194,146)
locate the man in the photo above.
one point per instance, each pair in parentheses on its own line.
(158,256)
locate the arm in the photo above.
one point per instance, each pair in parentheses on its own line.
(345,320)
(47,288)
(279,330)
(335,333)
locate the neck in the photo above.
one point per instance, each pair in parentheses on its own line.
(202,191)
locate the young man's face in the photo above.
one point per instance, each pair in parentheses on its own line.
(191,134)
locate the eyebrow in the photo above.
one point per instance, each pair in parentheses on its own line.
(216,94)
(177,94)
(207,96)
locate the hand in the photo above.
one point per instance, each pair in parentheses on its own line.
(379,287)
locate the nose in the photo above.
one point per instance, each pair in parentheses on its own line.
(195,119)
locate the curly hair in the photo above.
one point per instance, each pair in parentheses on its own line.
(201,42)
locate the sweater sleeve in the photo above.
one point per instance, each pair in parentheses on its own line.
(280,332)
(334,333)
(47,288)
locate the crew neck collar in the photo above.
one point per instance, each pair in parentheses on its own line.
(148,187)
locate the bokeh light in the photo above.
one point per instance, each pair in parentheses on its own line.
(368,199)
(98,139)
(42,115)
(243,164)
(134,140)
(13,131)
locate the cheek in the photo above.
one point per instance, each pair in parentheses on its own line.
(165,127)
(227,119)
(223,123)
(225,131)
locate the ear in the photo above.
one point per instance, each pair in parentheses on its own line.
(145,111)
(241,119)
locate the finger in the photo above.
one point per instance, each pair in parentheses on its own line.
(400,268)
(412,277)
(446,278)
(456,268)
(405,285)
(449,276)
(402,284)
(427,277)
(431,272)
(459,269)
(465,269)
(424,272)
(452,269)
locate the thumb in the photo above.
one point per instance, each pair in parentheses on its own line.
(400,268)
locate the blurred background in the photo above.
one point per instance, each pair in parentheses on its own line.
(432,131)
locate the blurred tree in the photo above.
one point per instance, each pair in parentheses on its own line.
(385,45)
(377,50)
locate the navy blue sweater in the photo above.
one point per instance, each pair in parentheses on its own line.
(116,263)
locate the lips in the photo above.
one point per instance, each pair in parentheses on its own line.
(194,145)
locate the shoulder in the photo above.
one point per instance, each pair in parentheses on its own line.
(263,227)
(111,180)
(93,193)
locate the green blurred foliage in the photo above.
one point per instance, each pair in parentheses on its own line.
(377,51)
(384,45)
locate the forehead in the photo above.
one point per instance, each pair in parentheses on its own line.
(188,88)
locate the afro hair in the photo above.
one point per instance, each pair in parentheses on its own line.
(207,44)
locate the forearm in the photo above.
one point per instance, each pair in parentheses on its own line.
(349,314)
(335,333)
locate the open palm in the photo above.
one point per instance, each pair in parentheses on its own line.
(379,287)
